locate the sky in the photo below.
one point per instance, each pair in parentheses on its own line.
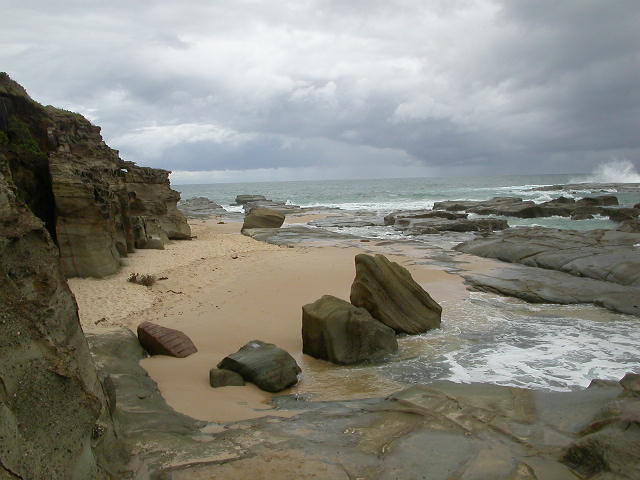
(248,90)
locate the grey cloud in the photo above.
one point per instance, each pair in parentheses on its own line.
(475,86)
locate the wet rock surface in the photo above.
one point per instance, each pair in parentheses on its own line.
(159,340)
(467,430)
(435,225)
(606,255)
(335,330)
(516,207)
(598,266)
(387,291)
(267,366)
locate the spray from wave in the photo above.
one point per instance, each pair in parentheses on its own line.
(616,171)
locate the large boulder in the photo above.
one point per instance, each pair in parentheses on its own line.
(159,340)
(267,366)
(390,294)
(263,218)
(339,332)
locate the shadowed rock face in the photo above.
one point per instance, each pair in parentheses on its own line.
(92,202)
(390,294)
(335,330)
(55,421)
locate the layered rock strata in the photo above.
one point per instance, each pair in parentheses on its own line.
(55,418)
(96,206)
(392,296)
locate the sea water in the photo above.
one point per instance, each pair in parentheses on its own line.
(485,338)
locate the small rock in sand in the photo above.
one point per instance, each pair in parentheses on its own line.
(267,366)
(158,340)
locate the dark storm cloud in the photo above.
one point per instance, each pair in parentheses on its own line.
(366,86)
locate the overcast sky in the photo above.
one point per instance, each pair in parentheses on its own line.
(304,89)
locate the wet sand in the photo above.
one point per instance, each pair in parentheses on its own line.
(224,289)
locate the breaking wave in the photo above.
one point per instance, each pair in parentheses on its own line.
(616,171)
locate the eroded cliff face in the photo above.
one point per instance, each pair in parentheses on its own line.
(55,421)
(96,206)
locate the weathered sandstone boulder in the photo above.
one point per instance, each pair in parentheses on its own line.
(390,294)
(159,340)
(263,218)
(219,377)
(631,384)
(335,330)
(55,419)
(269,367)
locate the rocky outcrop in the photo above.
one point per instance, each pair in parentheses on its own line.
(335,330)
(81,188)
(415,214)
(606,255)
(151,197)
(159,340)
(390,294)
(516,207)
(435,225)
(243,199)
(200,207)
(263,218)
(268,367)
(597,266)
(55,418)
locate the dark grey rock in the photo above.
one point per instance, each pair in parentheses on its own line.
(630,226)
(219,377)
(200,207)
(339,332)
(263,218)
(537,285)
(423,226)
(390,294)
(606,255)
(414,214)
(631,383)
(242,199)
(267,366)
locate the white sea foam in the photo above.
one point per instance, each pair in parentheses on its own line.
(615,171)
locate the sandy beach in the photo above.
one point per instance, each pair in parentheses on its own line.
(224,289)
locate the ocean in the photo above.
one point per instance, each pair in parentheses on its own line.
(486,338)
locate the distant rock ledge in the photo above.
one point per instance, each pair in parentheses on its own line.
(97,207)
